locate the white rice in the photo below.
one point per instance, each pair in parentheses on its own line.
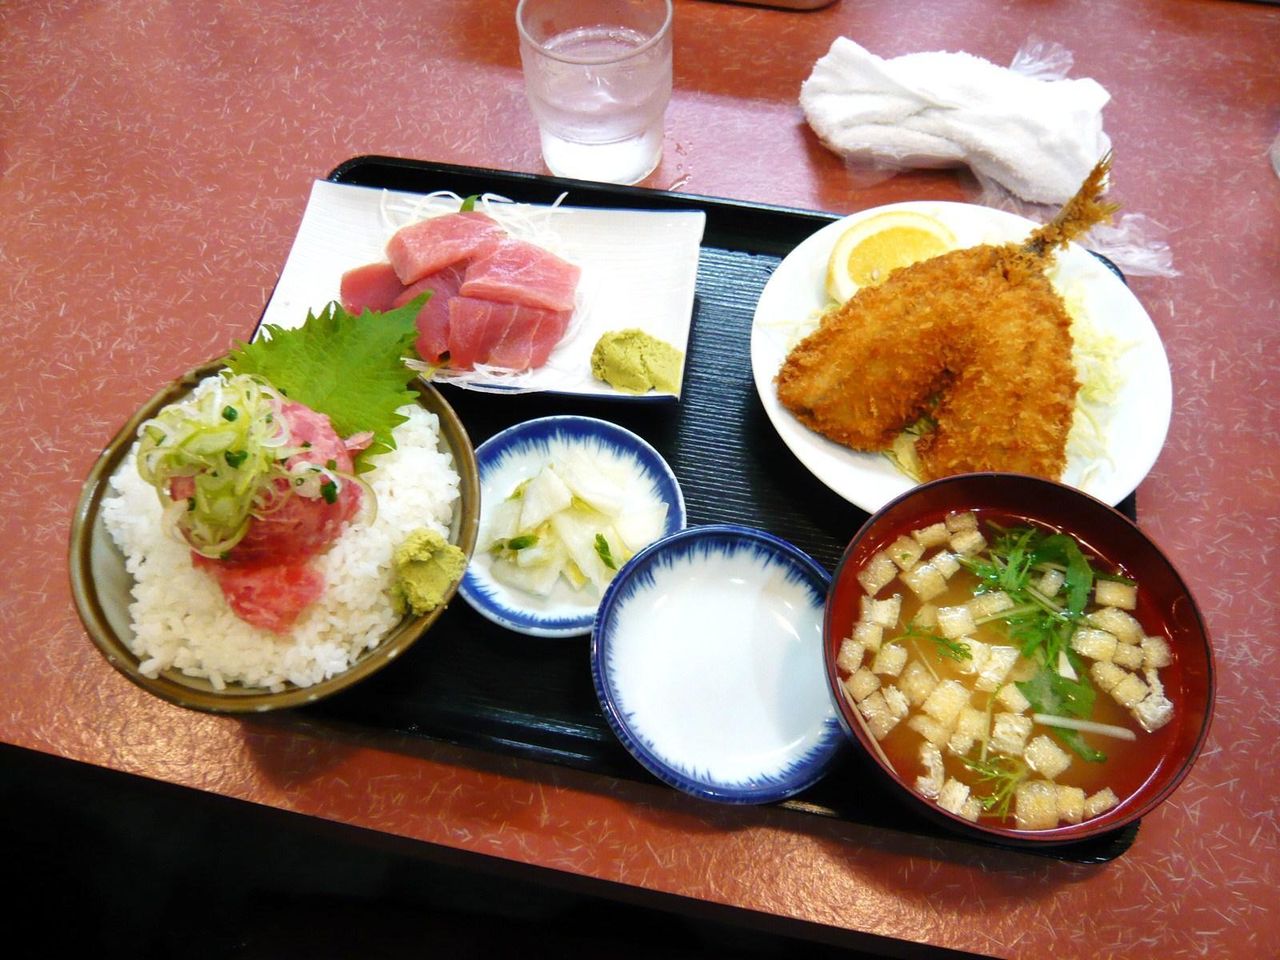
(181,621)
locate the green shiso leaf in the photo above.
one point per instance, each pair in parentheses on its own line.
(349,368)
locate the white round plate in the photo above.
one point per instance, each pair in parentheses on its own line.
(518,453)
(707,659)
(1139,417)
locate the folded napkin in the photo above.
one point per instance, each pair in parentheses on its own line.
(1038,138)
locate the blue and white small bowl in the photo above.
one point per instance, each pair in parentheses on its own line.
(518,453)
(707,659)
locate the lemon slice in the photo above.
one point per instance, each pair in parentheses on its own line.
(871,249)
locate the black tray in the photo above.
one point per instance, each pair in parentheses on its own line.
(475,684)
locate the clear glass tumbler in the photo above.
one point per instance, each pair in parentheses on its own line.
(598,77)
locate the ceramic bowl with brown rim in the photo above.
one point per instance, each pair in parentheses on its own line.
(103,588)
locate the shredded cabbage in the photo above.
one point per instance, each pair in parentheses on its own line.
(1096,354)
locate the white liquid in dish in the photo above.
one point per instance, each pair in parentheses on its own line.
(718,666)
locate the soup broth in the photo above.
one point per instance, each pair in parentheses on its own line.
(968,706)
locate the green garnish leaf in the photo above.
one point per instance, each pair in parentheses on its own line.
(605,554)
(349,368)
(1004,774)
(469,203)
(1050,692)
(1062,549)
(950,649)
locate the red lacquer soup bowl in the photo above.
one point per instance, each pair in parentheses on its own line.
(1144,773)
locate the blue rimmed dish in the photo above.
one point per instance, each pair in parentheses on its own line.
(516,454)
(707,659)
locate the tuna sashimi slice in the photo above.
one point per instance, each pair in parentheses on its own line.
(430,245)
(518,272)
(375,286)
(474,327)
(270,596)
(515,347)
(433,318)
(506,335)
(552,325)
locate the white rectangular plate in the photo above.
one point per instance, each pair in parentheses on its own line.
(639,268)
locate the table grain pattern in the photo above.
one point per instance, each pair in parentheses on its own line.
(155,160)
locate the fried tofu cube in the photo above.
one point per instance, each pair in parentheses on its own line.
(1106,675)
(878,572)
(989,604)
(861,684)
(916,682)
(1155,653)
(1094,643)
(953,795)
(1112,593)
(905,552)
(995,671)
(945,562)
(1152,677)
(930,782)
(1118,623)
(1046,758)
(967,542)
(929,728)
(934,535)
(1009,732)
(1035,805)
(879,715)
(1070,804)
(890,660)
(883,613)
(979,654)
(961,520)
(1024,669)
(1012,699)
(870,635)
(925,580)
(1100,802)
(849,658)
(1128,655)
(971,726)
(1051,582)
(955,622)
(972,809)
(926,616)
(1153,712)
(1130,691)
(946,701)
(896,701)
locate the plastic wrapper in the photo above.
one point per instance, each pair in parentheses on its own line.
(1027,146)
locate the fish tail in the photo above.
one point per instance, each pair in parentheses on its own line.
(1081,212)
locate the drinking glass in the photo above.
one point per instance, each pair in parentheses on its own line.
(598,77)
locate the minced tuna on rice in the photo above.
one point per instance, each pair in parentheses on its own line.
(181,620)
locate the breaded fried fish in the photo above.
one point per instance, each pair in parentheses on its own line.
(976,340)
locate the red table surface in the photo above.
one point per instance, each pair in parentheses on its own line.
(156,159)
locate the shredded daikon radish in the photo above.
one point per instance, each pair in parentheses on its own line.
(1084,726)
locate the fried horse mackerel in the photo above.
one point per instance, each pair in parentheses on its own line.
(974,344)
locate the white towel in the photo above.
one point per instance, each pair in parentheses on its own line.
(1038,138)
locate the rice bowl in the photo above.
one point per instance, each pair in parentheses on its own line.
(166,625)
